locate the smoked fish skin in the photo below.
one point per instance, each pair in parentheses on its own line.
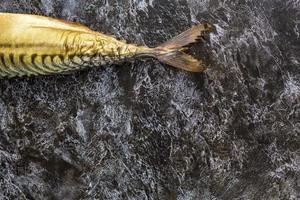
(37,45)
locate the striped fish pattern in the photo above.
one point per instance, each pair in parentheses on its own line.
(37,45)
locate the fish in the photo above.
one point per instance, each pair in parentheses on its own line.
(39,45)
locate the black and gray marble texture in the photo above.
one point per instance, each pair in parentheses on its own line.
(148,131)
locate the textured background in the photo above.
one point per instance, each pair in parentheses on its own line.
(148,131)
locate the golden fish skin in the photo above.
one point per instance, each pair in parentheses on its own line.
(36,45)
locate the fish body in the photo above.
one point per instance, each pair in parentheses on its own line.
(37,45)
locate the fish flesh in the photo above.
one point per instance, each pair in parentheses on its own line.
(38,45)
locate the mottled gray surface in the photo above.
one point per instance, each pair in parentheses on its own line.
(148,131)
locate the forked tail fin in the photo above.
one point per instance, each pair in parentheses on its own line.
(171,52)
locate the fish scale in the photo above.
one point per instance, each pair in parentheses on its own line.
(43,68)
(4,70)
(36,45)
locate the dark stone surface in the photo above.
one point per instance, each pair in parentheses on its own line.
(148,131)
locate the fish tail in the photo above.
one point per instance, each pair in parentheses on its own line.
(172,51)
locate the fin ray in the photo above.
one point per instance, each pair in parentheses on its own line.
(171,52)
(188,37)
